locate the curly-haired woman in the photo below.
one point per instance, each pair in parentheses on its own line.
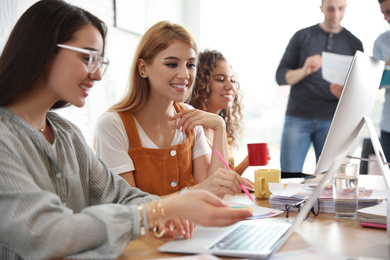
(217,91)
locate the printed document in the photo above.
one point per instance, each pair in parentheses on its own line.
(335,67)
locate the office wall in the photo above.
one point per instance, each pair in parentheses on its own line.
(252,34)
(121,44)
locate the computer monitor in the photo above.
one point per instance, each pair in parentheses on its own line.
(356,102)
(352,114)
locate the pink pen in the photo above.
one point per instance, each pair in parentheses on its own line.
(227,166)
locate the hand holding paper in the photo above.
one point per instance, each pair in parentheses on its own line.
(336,89)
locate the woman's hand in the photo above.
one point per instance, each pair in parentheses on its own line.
(202,207)
(182,227)
(248,183)
(188,119)
(224,182)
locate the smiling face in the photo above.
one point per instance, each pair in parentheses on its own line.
(223,88)
(68,77)
(333,11)
(171,73)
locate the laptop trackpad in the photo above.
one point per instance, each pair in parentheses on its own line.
(203,238)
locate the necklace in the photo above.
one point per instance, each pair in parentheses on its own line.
(42,129)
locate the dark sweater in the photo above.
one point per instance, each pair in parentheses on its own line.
(311,98)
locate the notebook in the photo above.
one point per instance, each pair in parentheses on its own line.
(375,214)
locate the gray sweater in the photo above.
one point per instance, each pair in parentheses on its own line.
(59,199)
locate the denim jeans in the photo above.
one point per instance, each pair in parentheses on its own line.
(385,142)
(297,135)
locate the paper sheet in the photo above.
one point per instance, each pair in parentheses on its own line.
(257,211)
(335,67)
(379,210)
(279,189)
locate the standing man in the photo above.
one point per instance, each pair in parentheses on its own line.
(382,52)
(312,101)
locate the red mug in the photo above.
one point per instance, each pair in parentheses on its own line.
(258,154)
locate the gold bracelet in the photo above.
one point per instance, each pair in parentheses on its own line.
(141,220)
(160,211)
(156,216)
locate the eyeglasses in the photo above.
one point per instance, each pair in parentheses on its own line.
(96,61)
(315,209)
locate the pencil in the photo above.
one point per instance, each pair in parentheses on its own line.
(228,167)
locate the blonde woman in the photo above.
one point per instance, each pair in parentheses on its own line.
(150,137)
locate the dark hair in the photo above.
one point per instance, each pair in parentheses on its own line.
(201,92)
(381,1)
(32,44)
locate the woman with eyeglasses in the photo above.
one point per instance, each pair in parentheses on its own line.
(57,198)
(150,137)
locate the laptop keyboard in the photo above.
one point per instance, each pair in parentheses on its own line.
(248,237)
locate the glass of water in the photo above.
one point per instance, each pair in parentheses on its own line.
(346,191)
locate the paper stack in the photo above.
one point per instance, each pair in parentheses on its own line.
(292,193)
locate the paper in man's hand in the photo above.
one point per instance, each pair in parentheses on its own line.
(335,67)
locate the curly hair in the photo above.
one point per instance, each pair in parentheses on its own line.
(201,92)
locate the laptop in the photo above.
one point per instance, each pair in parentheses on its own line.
(259,239)
(254,239)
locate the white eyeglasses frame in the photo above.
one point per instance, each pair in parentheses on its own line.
(102,63)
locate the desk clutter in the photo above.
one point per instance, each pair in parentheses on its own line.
(293,193)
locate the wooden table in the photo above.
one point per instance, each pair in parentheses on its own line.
(344,237)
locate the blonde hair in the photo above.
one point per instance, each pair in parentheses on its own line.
(159,37)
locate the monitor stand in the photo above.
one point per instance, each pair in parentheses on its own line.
(381,159)
(383,164)
(328,175)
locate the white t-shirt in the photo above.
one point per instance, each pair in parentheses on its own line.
(112,144)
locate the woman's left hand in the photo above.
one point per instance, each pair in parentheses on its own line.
(182,227)
(248,183)
(188,119)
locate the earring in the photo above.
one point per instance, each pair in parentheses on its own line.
(142,74)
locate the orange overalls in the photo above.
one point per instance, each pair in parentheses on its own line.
(159,171)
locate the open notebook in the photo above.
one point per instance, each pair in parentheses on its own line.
(258,239)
